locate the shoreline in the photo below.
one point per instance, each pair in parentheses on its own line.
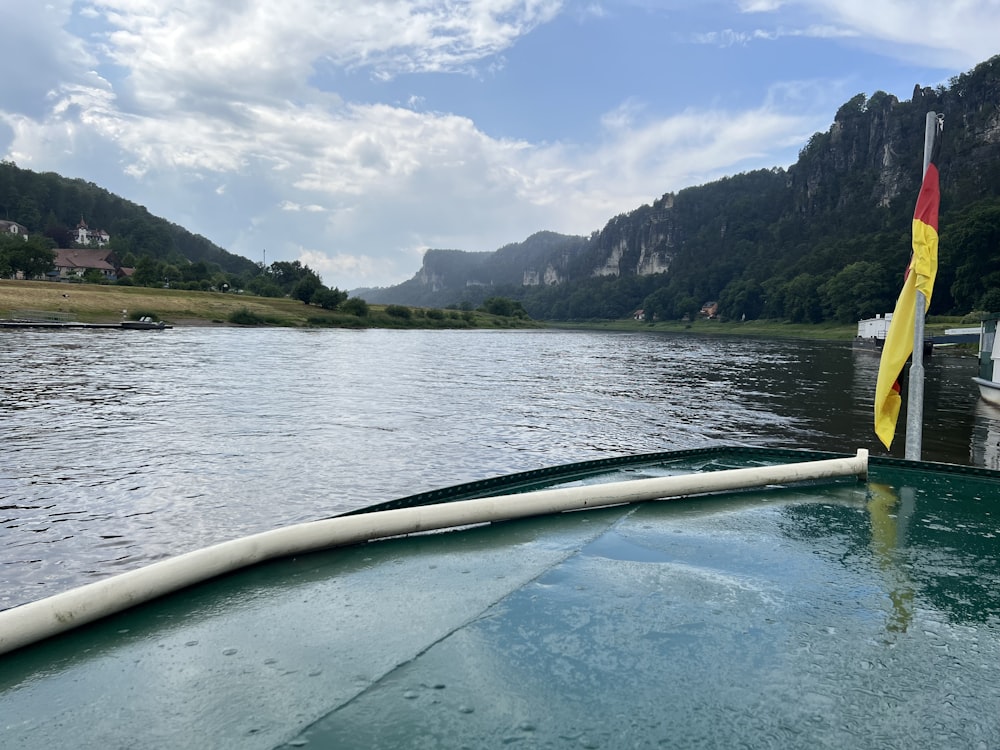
(100,304)
(110,304)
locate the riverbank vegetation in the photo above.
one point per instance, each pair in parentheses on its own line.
(94,303)
(103,304)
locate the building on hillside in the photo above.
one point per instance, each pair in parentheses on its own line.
(12,228)
(87,236)
(73,263)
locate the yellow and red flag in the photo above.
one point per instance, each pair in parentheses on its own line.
(919,277)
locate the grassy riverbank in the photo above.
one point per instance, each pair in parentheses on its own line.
(94,303)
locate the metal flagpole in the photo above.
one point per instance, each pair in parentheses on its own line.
(915,393)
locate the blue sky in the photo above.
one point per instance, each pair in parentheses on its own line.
(353,136)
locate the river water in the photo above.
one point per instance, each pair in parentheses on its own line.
(121,448)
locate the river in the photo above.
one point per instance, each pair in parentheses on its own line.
(121,448)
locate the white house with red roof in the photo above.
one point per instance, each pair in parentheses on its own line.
(12,228)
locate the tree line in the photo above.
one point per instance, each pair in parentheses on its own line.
(159,254)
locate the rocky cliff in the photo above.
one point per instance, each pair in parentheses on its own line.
(857,181)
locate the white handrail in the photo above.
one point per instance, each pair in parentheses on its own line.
(28,623)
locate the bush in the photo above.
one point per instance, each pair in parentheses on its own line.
(243,317)
(398,311)
(328,299)
(355,306)
(506,308)
(990,301)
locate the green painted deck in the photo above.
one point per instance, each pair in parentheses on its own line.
(830,615)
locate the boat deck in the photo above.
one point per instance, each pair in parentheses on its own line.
(828,615)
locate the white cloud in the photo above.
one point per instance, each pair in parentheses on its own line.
(340,266)
(38,54)
(235,120)
(958,33)
(296,207)
(760,6)
(399,178)
(954,34)
(257,47)
(731,37)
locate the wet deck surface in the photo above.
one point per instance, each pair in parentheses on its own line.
(841,615)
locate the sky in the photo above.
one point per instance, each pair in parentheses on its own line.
(353,135)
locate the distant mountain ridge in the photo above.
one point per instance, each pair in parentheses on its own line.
(452,274)
(773,242)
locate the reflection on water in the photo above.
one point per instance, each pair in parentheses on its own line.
(122,449)
(890,516)
(986,436)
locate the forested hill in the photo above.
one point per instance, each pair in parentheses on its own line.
(47,203)
(826,239)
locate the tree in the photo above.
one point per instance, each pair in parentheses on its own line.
(741,299)
(802,303)
(147,271)
(264,286)
(171,274)
(990,302)
(93,276)
(975,247)
(328,299)
(60,235)
(686,306)
(305,288)
(857,291)
(356,306)
(504,307)
(195,271)
(659,305)
(31,258)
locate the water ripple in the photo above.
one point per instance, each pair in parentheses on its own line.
(119,450)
